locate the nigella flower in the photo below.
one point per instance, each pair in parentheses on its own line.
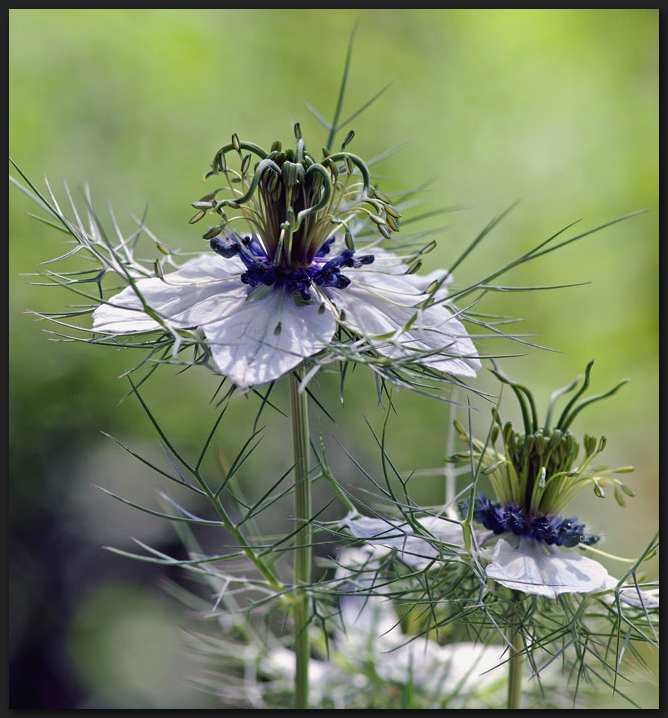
(529,546)
(368,646)
(534,478)
(275,292)
(372,634)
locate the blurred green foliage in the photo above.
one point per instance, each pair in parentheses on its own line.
(558,108)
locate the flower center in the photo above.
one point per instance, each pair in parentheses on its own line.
(550,530)
(261,271)
(293,203)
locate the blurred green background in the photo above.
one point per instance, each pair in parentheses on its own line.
(556,108)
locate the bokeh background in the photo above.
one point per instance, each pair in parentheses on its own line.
(556,108)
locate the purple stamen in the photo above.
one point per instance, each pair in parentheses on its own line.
(550,530)
(259,269)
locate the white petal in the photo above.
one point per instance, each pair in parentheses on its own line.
(368,314)
(534,568)
(632,596)
(370,622)
(386,262)
(445,531)
(644,600)
(369,619)
(399,535)
(206,267)
(265,338)
(388,274)
(203,289)
(399,289)
(436,329)
(377,305)
(452,668)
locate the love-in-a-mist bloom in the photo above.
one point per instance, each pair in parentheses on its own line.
(290,265)
(529,544)
(539,471)
(367,649)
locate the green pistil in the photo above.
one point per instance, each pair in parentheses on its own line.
(536,457)
(539,469)
(291,201)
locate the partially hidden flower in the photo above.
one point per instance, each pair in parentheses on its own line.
(373,633)
(369,644)
(277,290)
(530,547)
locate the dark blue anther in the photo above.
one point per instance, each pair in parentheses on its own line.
(364,259)
(258,273)
(514,521)
(251,261)
(224,246)
(330,273)
(260,270)
(254,246)
(590,539)
(298,281)
(550,530)
(572,534)
(326,246)
(347,258)
(487,514)
(331,277)
(543,530)
(233,244)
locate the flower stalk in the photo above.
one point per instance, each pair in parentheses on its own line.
(302,555)
(515,669)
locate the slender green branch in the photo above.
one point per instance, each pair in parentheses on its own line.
(342,91)
(216,502)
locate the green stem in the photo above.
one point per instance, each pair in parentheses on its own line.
(515,669)
(300,438)
(245,547)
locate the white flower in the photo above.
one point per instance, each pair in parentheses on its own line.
(269,300)
(257,337)
(530,567)
(534,479)
(372,634)
(370,638)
